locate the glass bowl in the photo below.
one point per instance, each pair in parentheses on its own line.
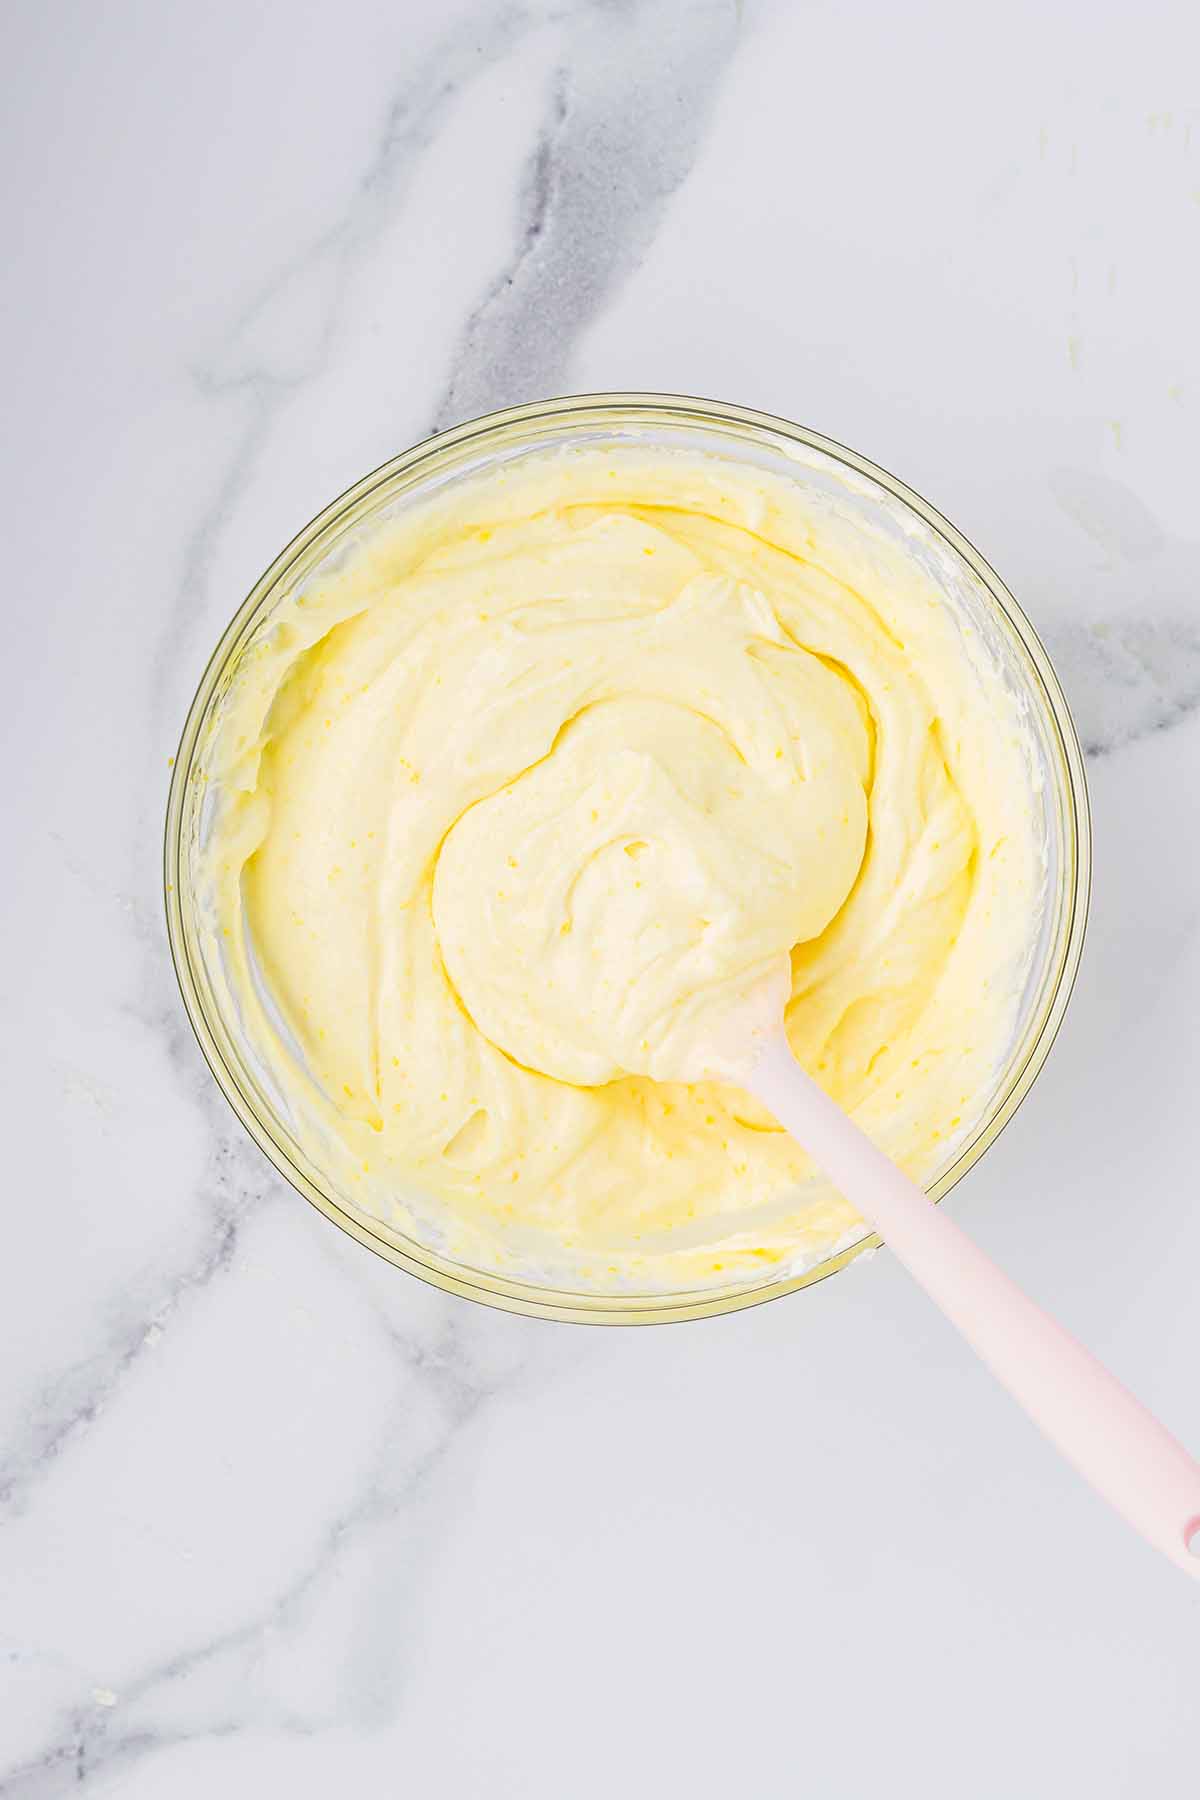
(882,505)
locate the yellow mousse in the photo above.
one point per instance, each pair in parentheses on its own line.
(645,724)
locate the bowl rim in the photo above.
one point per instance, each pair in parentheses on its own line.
(482,1286)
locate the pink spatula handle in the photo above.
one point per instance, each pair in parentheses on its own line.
(1097,1424)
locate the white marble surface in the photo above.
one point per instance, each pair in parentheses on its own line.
(276,1518)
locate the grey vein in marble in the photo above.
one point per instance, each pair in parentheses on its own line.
(402,1494)
(619,137)
(1129,679)
(259,360)
(625,119)
(237,1180)
(75,1397)
(70,1399)
(1135,672)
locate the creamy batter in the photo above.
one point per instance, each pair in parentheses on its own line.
(646,725)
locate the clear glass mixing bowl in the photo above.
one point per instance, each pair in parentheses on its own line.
(884,506)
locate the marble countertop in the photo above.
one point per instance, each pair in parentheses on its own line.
(278,1519)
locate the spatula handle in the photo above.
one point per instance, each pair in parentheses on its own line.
(1097,1424)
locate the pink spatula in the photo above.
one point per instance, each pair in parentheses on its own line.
(730,1029)
(1115,1444)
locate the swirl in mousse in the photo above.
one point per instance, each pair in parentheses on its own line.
(556,771)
